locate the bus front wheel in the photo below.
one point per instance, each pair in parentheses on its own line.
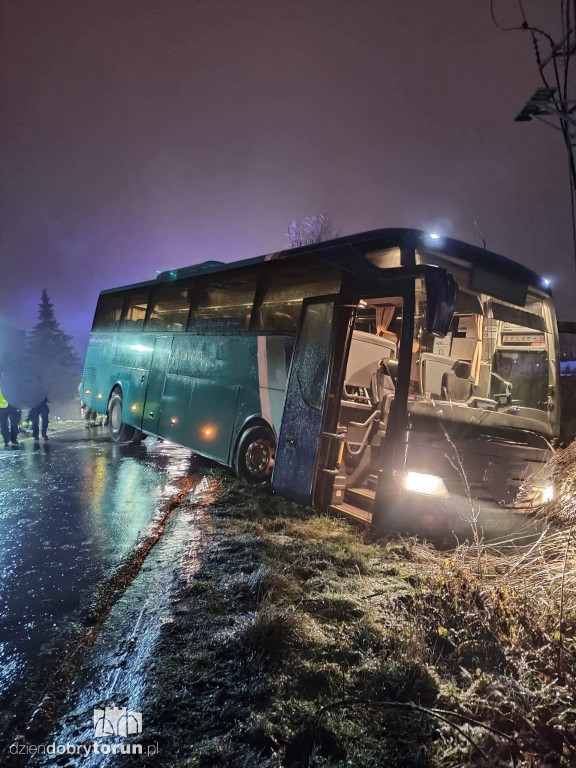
(255,455)
(119,432)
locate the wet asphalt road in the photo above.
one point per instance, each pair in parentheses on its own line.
(70,511)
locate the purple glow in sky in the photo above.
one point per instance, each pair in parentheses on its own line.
(140,135)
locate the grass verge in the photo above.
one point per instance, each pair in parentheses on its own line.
(296,641)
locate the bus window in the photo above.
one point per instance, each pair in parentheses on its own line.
(134,312)
(313,366)
(279,311)
(108,311)
(169,309)
(493,367)
(224,303)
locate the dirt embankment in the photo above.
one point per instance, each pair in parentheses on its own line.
(297,641)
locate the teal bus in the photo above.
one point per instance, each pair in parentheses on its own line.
(397,377)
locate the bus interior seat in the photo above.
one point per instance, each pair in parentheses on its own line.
(268,317)
(457,383)
(369,383)
(484,378)
(384,380)
(366,352)
(282,322)
(432,368)
(381,392)
(357,386)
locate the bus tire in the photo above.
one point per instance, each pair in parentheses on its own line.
(119,432)
(255,455)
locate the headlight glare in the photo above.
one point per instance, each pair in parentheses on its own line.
(429,485)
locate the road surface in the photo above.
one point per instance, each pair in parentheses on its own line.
(71,510)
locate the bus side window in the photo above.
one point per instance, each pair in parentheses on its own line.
(288,286)
(224,303)
(135,307)
(108,311)
(169,308)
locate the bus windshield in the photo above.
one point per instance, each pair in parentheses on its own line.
(496,366)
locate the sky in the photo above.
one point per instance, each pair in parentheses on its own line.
(143,135)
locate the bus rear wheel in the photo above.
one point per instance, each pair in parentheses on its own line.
(119,432)
(255,455)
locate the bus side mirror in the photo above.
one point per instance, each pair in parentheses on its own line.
(441,292)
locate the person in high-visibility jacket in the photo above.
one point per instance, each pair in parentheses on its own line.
(9,421)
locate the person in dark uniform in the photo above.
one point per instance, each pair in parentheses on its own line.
(39,412)
(23,384)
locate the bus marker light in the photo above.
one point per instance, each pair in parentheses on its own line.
(87,391)
(208,432)
(173,420)
(134,408)
(99,395)
(429,485)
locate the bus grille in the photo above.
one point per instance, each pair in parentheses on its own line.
(89,378)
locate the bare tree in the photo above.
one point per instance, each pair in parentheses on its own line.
(312,229)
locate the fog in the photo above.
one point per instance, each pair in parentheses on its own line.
(141,135)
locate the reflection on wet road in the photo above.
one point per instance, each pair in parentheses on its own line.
(69,512)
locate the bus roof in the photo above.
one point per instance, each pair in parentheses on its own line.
(375,239)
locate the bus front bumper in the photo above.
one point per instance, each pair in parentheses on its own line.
(457,514)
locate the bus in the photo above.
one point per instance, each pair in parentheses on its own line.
(403,379)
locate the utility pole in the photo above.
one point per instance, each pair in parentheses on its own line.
(554,103)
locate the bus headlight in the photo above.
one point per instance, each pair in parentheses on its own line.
(429,485)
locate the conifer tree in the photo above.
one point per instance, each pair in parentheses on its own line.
(53,353)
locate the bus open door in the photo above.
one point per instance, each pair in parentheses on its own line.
(324,327)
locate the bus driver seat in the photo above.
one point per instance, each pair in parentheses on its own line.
(457,383)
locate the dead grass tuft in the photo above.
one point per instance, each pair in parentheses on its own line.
(272,630)
(314,744)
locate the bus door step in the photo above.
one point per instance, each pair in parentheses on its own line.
(361,497)
(360,515)
(372,482)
